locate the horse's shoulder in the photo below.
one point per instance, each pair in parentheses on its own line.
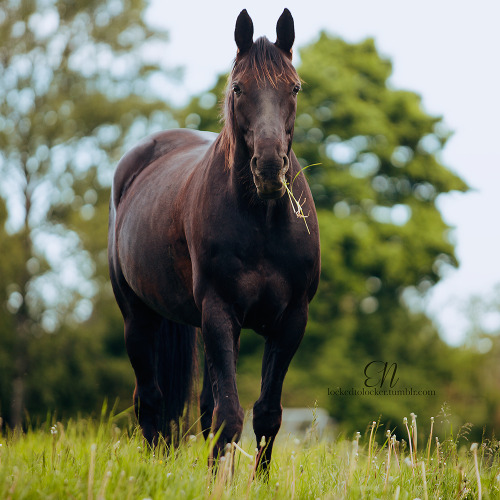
(149,150)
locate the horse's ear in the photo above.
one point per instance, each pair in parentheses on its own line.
(243,32)
(285,32)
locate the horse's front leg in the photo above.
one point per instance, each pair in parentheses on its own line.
(221,331)
(206,402)
(279,350)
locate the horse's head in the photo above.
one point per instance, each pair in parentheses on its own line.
(262,102)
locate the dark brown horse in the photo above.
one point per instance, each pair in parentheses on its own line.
(201,235)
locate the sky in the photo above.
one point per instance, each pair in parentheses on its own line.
(445,50)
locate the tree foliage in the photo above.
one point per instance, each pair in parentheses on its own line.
(383,240)
(77,90)
(76,85)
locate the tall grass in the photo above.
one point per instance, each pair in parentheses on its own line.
(107,459)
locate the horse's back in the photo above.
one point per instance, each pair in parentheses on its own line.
(151,149)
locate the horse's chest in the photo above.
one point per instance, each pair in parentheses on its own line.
(263,288)
(260,275)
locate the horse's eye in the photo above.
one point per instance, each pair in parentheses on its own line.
(237,89)
(296,89)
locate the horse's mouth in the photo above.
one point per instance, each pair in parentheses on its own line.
(271,194)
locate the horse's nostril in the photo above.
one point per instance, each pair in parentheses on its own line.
(286,163)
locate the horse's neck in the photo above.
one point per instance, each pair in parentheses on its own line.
(241,177)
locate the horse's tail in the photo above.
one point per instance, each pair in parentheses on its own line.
(175,367)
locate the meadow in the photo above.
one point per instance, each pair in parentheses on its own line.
(108,459)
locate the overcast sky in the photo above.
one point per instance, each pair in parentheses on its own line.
(445,50)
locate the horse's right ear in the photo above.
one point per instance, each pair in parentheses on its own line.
(285,32)
(243,33)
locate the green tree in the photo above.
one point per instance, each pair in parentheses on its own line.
(76,85)
(384,242)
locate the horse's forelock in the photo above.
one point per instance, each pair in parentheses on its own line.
(264,61)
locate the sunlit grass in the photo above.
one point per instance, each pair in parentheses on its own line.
(108,459)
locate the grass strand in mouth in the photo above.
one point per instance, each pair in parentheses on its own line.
(297,204)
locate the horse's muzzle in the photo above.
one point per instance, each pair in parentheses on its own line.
(269,177)
(270,193)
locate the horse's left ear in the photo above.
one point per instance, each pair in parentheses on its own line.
(285,32)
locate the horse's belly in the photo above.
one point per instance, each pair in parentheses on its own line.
(160,277)
(166,294)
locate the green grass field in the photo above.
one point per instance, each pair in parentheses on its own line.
(85,459)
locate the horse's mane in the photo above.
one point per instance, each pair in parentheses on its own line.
(264,62)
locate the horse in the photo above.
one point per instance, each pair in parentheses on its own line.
(202,236)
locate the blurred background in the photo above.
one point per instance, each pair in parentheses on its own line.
(399,107)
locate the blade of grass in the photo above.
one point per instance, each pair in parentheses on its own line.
(297,208)
(301,170)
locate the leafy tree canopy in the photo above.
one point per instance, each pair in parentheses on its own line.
(383,240)
(76,85)
(77,89)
